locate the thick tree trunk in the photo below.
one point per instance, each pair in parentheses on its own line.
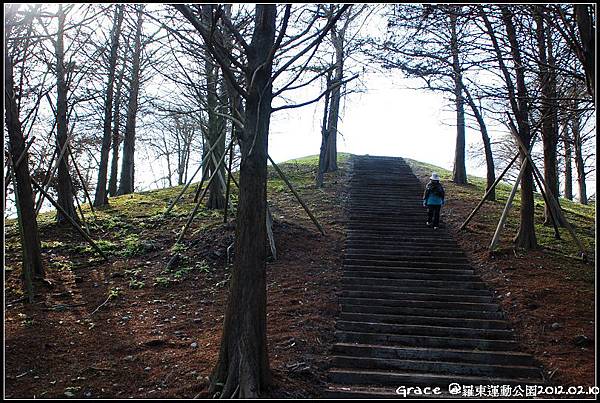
(549,112)
(30,241)
(330,153)
(568,167)
(585,23)
(100,198)
(116,140)
(64,185)
(216,125)
(243,363)
(487,146)
(324,138)
(579,163)
(525,237)
(459,174)
(126,184)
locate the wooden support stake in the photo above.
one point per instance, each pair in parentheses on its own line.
(227,188)
(16,165)
(507,207)
(281,174)
(270,237)
(553,216)
(69,218)
(85,191)
(53,171)
(197,206)
(191,179)
(553,203)
(488,192)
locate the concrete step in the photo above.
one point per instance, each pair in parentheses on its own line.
(437,367)
(383,276)
(386,271)
(456,306)
(424,320)
(514,358)
(356,376)
(358,305)
(366,291)
(424,330)
(405,263)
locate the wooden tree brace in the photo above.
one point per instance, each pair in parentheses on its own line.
(553,203)
(192,177)
(507,207)
(287,182)
(197,206)
(488,192)
(70,219)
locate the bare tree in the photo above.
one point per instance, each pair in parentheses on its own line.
(101,198)
(243,367)
(32,258)
(126,183)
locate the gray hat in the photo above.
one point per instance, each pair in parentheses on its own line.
(435,177)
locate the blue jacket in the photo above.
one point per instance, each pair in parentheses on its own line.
(434,194)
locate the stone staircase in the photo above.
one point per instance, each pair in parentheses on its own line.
(413,310)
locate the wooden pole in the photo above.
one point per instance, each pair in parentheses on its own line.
(488,192)
(270,236)
(16,165)
(507,207)
(281,174)
(197,206)
(191,179)
(553,203)
(545,196)
(85,191)
(70,219)
(49,177)
(227,188)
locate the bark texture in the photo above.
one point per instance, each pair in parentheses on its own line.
(459,174)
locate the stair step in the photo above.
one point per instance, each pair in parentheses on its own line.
(424,320)
(424,330)
(352,376)
(437,367)
(354,305)
(434,354)
(365,291)
(466,306)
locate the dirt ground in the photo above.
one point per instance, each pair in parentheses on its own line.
(542,293)
(162,340)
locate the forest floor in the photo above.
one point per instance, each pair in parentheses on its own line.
(131,328)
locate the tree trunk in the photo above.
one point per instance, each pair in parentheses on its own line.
(459,174)
(549,112)
(216,199)
(330,153)
(579,163)
(585,23)
(568,168)
(100,199)
(126,184)
(64,186)
(30,241)
(116,140)
(324,137)
(487,146)
(525,237)
(243,363)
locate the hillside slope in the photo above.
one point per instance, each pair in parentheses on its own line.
(132,328)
